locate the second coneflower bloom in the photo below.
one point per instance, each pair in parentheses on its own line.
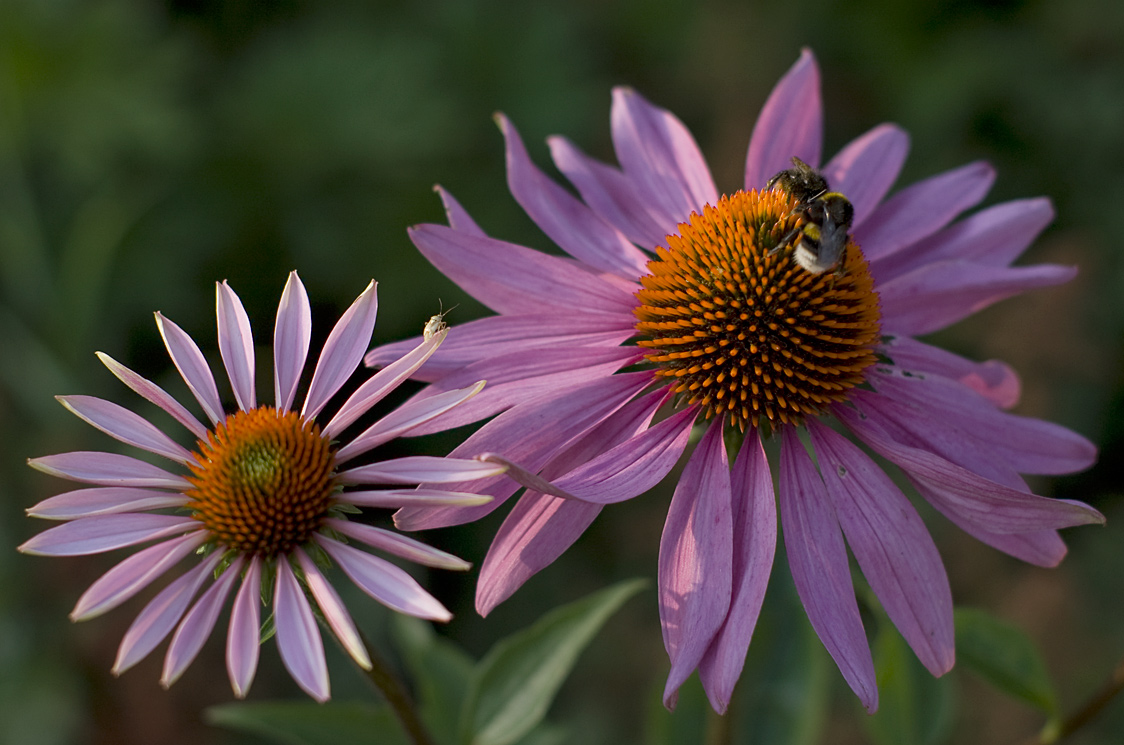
(722,309)
(261,500)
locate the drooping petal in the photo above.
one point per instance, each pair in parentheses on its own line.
(122,424)
(161,615)
(922,208)
(993,237)
(339,620)
(867,167)
(154,393)
(197,625)
(419,469)
(94,535)
(108,469)
(531,434)
(991,506)
(696,560)
(498,336)
(107,500)
(755,543)
(509,278)
(573,226)
(342,351)
(291,336)
(244,635)
(1044,548)
(298,640)
(892,546)
(375,388)
(938,295)
(398,544)
(790,124)
(521,377)
(660,156)
(383,581)
(193,367)
(395,498)
(133,574)
(1029,445)
(817,558)
(236,345)
(993,379)
(610,193)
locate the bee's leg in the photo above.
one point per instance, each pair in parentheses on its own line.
(786,241)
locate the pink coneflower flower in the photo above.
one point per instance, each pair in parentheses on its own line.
(677,298)
(260,500)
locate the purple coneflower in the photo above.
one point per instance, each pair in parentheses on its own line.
(261,499)
(676,296)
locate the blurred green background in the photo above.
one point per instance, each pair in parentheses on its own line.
(148,149)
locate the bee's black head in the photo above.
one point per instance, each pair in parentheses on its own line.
(803,182)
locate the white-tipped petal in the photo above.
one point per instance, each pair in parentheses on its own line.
(244,637)
(197,625)
(299,642)
(334,610)
(154,393)
(122,424)
(104,500)
(399,545)
(421,469)
(193,367)
(236,344)
(395,498)
(107,469)
(291,337)
(343,351)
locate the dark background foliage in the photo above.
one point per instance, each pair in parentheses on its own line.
(148,149)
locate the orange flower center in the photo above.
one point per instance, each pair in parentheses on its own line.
(263,482)
(741,330)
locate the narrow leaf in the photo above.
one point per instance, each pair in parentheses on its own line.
(309,723)
(1004,656)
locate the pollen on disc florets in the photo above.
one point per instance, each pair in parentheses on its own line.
(741,330)
(263,482)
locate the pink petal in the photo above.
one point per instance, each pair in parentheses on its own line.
(94,535)
(406,417)
(380,384)
(457,217)
(155,394)
(335,613)
(531,434)
(385,582)
(134,574)
(989,505)
(395,498)
(108,469)
(755,542)
(817,558)
(695,564)
(1043,548)
(122,424)
(243,639)
(660,156)
(420,469)
(521,377)
(1028,445)
(161,614)
(867,167)
(611,194)
(922,209)
(342,351)
(938,295)
(992,379)
(298,640)
(993,237)
(193,368)
(197,625)
(236,345)
(790,124)
(895,551)
(574,227)
(398,545)
(498,336)
(514,279)
(106,500)
(291,337)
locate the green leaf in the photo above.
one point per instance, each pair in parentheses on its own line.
(914,708)
(684,726)
(309,723)
(518,679)
(441,674)
(1004,656)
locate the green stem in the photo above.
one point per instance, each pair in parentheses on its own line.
(388,685)
(1087,712)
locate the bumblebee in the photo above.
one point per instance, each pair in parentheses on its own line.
(819,243)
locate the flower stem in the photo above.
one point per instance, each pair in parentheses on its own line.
(1088,711)
(395,694)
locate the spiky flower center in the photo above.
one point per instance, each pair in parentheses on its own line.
(263,482)
(741,330)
